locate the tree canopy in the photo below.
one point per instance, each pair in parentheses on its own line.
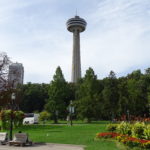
(93,99)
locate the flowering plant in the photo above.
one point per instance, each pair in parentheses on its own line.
(107,135)
(146,145)
(125,139)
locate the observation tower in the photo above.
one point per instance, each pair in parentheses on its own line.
(76,25)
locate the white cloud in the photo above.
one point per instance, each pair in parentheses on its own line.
(115,41)
(34,33)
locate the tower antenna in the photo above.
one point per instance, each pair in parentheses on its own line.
(76,12)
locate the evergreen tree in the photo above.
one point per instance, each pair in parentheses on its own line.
(110,96)
(87,94)
(57,91)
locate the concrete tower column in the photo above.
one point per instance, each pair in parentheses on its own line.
(76,61)
(76,25)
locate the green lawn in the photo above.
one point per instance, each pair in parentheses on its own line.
(80,134)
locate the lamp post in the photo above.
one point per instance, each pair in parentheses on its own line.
(128,115)
(13,97)
(56,116)
(71,111)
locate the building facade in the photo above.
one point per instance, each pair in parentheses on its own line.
(16,74)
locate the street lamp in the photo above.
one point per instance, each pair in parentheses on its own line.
(128,115)
(13,97)
(56,116)
(71,111)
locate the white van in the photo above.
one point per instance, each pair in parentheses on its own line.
(31,118)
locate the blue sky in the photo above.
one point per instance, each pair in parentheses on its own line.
(33,32)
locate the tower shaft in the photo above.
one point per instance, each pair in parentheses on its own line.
(76,25)
(76,62)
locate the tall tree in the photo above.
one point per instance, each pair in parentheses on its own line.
(137,92)
(87,96)
(57,91)
(110,96)
(124,101)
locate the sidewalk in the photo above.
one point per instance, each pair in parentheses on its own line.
(46,146)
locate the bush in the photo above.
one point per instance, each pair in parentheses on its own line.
(44,115)
(5,116)
(132,135)
(5,119)
(18,118)
(147,132)
(124,128)
(146,145)
(111,127)
(133,142)
(138,130)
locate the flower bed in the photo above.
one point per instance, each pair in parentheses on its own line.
(107,135)
(125,139)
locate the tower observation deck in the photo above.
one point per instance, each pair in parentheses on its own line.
(76,25)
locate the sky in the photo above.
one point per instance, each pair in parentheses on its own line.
(117,37)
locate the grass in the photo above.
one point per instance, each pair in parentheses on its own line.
(79,134)
(75,122)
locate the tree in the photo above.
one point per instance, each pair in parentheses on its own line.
(58,96)
(110,96)
(137,89)
(124,101)
(87,96)
(4,65)
(6,88)
(33,97)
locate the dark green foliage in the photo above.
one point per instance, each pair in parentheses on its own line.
(110,96)
(88,96)
(94,99)
(33,97)
(59,96)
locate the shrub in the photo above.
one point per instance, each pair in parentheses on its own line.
(147,132)
(138,130)
(132,135)
(111,127)
(18,118)
(121,138)
(44,115)
(146,145)
(133,142)
(5,116)
(124,128)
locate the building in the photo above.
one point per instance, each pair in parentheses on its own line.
(76,25)
(16,74)
(2,84)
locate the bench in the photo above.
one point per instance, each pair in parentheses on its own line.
(20,139)
(3,138)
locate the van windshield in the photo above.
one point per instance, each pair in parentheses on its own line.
(29,115)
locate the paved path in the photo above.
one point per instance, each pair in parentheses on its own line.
(47,146)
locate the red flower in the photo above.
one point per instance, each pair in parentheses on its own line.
(108,134)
